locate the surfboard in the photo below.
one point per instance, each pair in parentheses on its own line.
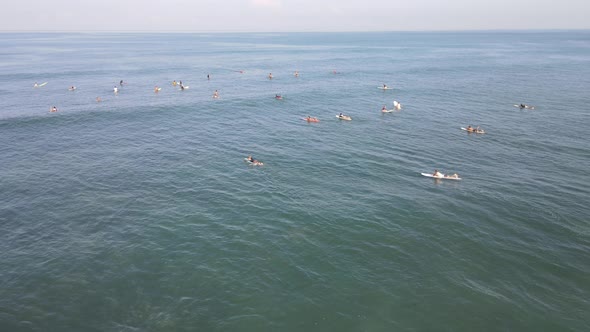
(40,85)
(481,131)
(384,88)
(387,111)
(344,117)
(428,175)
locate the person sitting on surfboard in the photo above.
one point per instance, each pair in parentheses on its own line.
(522,106)
(384,86)
(174,83)
(215,94)
(270,76)
(384,109)
(437,174)
(54,109)
(278,97)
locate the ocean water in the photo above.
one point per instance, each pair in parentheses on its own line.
(138,213)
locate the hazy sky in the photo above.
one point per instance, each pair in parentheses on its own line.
(292,15)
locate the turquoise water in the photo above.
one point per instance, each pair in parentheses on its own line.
(138,213)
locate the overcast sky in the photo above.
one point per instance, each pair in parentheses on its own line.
(292,15)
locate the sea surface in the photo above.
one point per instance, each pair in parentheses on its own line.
(138,213)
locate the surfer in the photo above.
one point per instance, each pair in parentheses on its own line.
(98,100)
(397,105)
(53,109)
(296,73)
(208,77)
(72,88)
(270,76)
(384,86)
(437,174)
(174,83)
(278,97)
(115,89)
(36,85)
(121,82)
(215,94)
(384,109)
(156,89)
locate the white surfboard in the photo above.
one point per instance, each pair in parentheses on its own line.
(444,177)
(344,117)
(40,85)
(384,88)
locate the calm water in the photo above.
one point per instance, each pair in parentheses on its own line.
(139,214)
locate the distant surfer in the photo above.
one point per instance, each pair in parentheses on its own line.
(384,86)
(174,83)
(270,76)
(156,89)
(121,83)
(115,89)
(296,73)
(53,109)
(397,105)
(208,77)
(72,88)
(437,174)
(36,85)
(384,109)
(278,97)
(215,94)
(98,100)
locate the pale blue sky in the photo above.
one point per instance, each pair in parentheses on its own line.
(292,15)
